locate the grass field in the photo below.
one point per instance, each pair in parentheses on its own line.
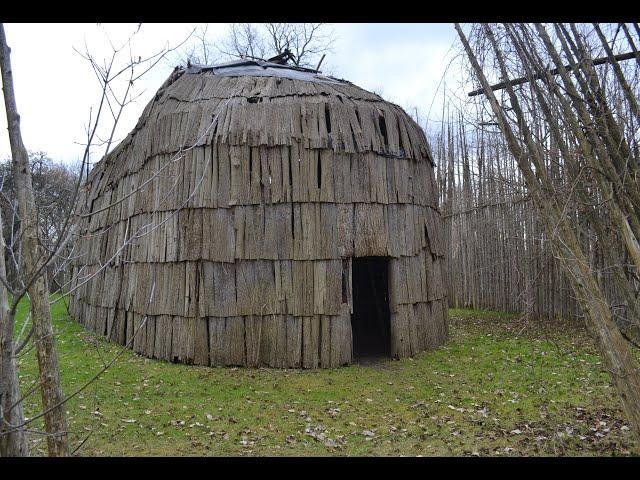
(500,386)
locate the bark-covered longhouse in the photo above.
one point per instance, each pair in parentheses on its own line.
(264,215)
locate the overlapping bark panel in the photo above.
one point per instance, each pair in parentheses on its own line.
(220,232)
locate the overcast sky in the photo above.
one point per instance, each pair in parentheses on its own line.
(55,87)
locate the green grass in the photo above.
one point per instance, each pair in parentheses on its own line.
(468,313)
(500,386)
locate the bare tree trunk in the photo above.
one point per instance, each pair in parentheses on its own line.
(52,396)
(630,96)
(629,330)
(614,350)
(13,441)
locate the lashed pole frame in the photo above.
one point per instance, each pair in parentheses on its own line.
(617,358)
(49,371)
(555,71)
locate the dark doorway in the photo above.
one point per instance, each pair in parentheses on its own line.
(370,321)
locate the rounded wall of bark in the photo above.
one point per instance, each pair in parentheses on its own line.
(221,231)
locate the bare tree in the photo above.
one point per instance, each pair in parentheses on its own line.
(53,187)
(308,43)
(575,158)
(36,260)
(55,419)
(13,440)
(243,40)
(202,51)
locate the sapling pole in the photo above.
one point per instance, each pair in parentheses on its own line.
(49,372)
(13,441)
(565,240)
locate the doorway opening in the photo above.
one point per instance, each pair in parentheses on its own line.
(371,319)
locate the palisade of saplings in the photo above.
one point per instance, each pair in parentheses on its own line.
(572,132)
(500,255)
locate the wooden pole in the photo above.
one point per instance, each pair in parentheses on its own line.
(555,71)
(49,371)
(13,440)
(612,346)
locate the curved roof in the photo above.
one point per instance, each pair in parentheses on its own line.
(253,103)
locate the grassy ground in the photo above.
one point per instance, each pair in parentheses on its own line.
(501,386)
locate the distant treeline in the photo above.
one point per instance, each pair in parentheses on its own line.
(53,187)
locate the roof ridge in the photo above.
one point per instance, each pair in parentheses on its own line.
(259,67)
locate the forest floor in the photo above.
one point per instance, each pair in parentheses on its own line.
(500,386)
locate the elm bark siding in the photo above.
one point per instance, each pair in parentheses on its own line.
(239,201)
